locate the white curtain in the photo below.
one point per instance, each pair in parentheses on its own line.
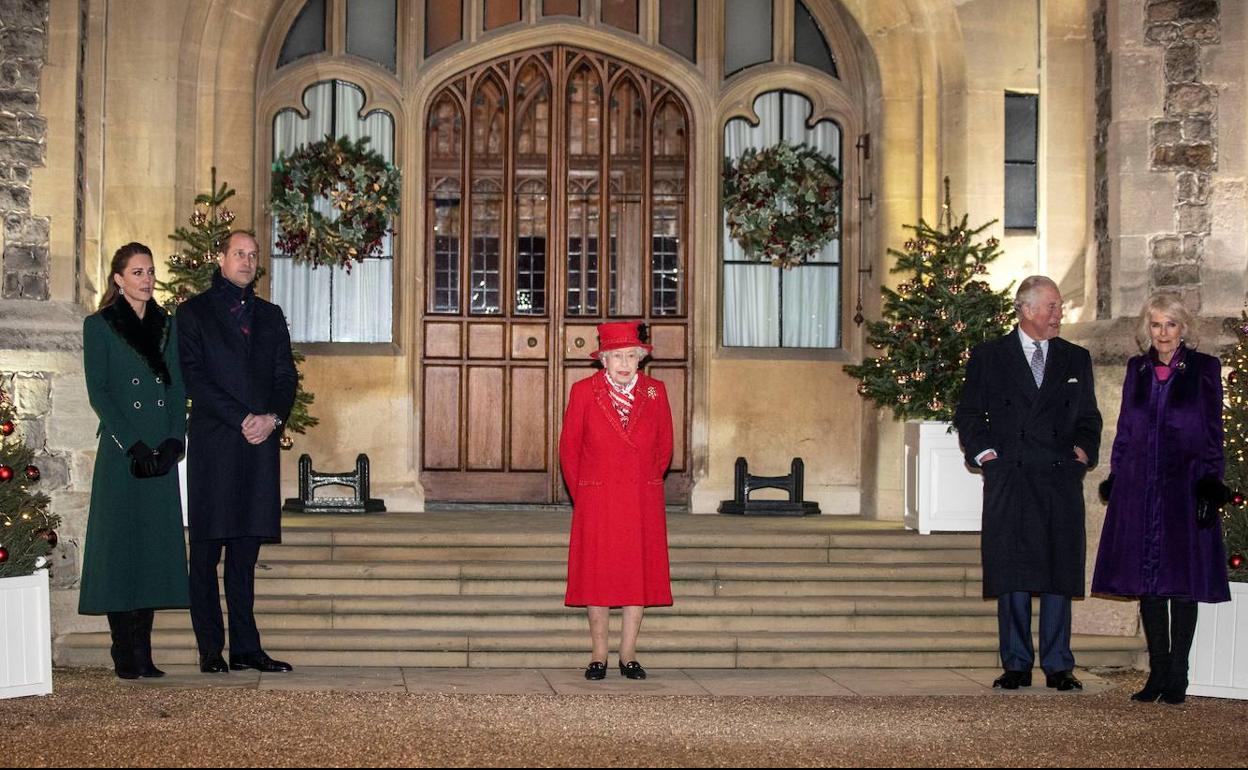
(752,293)
(330,304)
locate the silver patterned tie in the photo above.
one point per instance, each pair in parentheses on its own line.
(1037,364)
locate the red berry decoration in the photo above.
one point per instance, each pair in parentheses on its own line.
(6,428)
(1236,560)
(32,473)
(1238,499)
(4,555)
(6,473)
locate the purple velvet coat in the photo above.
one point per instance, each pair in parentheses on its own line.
(1169,437)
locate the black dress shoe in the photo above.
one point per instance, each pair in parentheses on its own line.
(1012,680)
(149,671)
(595,671)
(213,664)
(259,661)
(1062,680)
(632,670)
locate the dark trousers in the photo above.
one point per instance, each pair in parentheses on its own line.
(241,554)
(1014,628)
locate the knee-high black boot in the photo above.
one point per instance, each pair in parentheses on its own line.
(143,644)
(1155,618)
(1182,629)
(122,627)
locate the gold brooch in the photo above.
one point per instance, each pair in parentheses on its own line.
(651,392)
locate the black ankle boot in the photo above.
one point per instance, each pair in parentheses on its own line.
(1154,617)
(143,644)
(1182,629)
(125,663)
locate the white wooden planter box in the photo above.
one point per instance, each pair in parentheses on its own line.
(941,493)
(25,636)
(1219,663)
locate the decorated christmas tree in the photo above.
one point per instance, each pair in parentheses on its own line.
(27,528)
(932,320)
(190,272)
(1235,422)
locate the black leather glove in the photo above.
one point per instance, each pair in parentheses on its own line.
(170,453)
(1105,488)
(1211,495)
(144,461)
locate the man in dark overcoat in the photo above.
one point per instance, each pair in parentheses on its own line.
(1028,417)
(241,379)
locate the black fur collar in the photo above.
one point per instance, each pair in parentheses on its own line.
(147,337)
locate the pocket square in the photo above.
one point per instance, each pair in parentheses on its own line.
(1073,379)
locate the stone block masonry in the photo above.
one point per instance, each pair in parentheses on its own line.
(1184,138)
(23,146)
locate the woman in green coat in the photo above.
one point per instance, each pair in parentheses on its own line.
(135,554)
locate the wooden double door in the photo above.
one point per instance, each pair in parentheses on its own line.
(556,191)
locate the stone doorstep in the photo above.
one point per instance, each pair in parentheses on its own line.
(565,681)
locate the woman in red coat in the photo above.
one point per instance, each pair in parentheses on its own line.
(615,447)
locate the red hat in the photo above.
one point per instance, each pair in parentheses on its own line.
(621,334)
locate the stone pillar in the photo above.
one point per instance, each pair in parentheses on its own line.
(23,51)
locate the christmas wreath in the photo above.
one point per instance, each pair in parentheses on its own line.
(782,203)
(362,191)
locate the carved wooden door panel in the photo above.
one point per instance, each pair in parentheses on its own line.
(517,276)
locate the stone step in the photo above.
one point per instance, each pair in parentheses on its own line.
(553,605)
(659,649)
(413,536)
(541,623)
(678,554)
(268,569)
(475,614)
(546,578)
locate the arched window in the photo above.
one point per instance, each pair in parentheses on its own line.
(769,44)
(332,304)
(765,306)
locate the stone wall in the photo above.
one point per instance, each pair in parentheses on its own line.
(41,368)
(1104,64)
(23,51)
(1184,139)
(1178,153)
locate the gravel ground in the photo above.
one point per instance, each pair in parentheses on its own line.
(92,720)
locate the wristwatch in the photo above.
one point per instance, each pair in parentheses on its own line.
(277,422)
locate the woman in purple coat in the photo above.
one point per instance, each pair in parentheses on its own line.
(1162,540)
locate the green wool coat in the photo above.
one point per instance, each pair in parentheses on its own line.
(135,554)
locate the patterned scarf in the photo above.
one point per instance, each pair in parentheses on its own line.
(621,397)
(239,301)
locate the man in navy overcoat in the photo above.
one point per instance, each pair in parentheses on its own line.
(1028,416)
(241,379)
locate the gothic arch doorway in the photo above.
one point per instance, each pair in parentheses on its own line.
(556,186)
